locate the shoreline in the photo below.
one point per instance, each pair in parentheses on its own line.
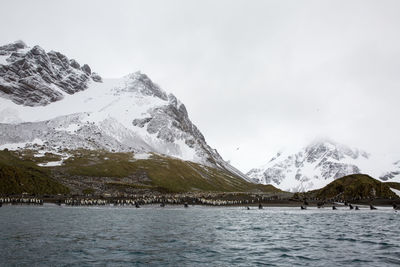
(282,204)
(189,199)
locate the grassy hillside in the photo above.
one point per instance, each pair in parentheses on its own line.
(393,185)
(18,176)
(101,171)
(162,173)
(356,186)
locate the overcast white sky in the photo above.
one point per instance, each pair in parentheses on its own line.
(255,76)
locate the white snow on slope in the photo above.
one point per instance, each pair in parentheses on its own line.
(64,156)
(142,156)
(96,97)
(3,60)
(51,164)
(111,106)
(397,192)
(17,146)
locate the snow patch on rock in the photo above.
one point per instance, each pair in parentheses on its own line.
(397,192)
(142,156)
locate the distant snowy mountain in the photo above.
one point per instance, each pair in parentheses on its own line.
(52,102)
(320,163)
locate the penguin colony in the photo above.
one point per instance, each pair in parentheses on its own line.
(13,200)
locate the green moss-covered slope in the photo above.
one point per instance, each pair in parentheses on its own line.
(165,173)
(102,171)
(356,186)
(23,176)
(393,185)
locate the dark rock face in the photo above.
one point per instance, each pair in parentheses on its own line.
(86,69)
(32,77)
(95,77)
(9,48)
(387,176)
(73,63)
(170,122)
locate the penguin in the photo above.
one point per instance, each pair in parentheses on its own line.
(333,207)
(351,206)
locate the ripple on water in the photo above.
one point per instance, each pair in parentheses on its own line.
(197,236)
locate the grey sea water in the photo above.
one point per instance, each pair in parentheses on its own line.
(197,236)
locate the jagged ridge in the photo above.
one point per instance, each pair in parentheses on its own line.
(32,77)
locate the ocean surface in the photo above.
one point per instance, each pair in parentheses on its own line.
(197,236)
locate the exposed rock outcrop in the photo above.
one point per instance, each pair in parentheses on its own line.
(32,77)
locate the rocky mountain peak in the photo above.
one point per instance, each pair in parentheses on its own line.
(34,77)
(330,149)
(140,82)
(13,47)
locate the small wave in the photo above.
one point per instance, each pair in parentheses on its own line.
(306,258)
(284,255)
(390,260)
(346,239)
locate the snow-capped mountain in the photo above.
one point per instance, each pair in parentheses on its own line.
(320,163)
(50,101)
